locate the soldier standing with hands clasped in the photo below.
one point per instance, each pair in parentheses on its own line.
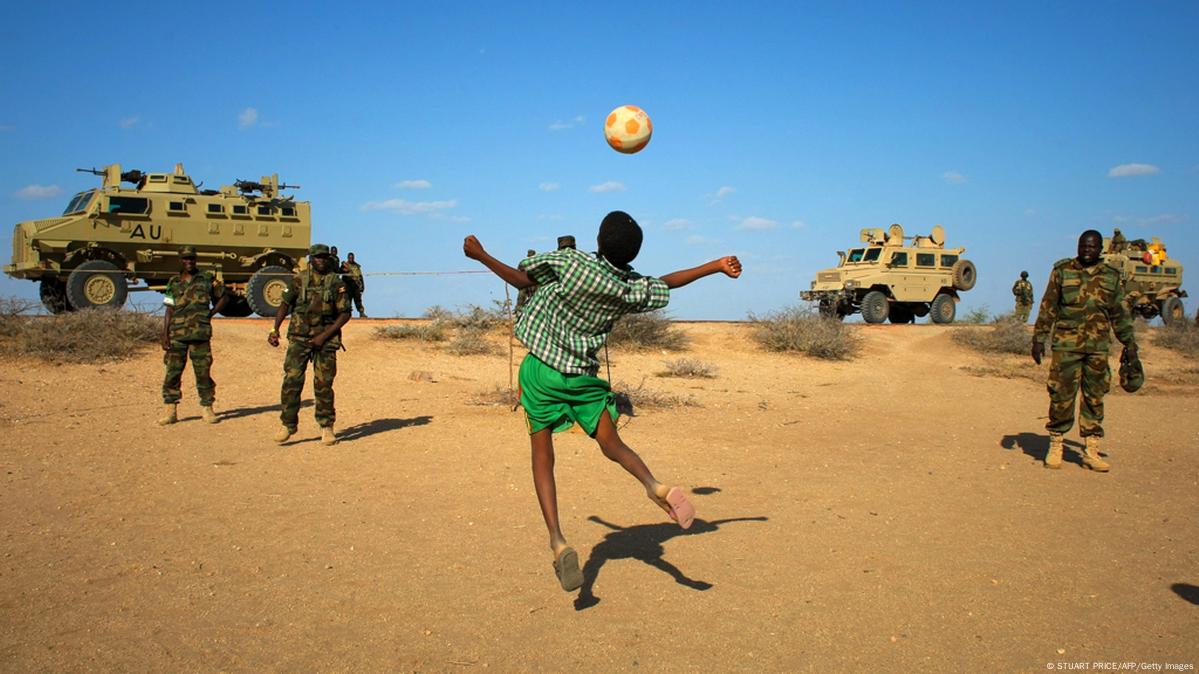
(1083,304)
(1022,289)
(319,306)
(187,330)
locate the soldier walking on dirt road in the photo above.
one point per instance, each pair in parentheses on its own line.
(191,299)
(1024,297)
(1083,304)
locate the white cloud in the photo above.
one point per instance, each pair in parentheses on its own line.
(755,223)
(1163,219)
(130,122)
(39,192)
(610,186)
(414,185)
(677,223)
(798,224)
(1128,170)
(953,177)
(247,118)
(720,194)
(559,125)
(548,187)
(699,240)
(405,207)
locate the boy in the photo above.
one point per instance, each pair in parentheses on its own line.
(578,298)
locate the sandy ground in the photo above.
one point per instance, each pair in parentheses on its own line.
(885,514)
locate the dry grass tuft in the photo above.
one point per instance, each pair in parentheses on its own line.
(650,330)
(1182,337)
(496,396)
(435,331)
(88,336)
(805,331)
(470,342)
(641,396)
(691,368)
(1006,335)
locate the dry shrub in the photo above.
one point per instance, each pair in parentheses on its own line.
(86,336)
(978,315)
(496,396)
(1006,335)
(470,342)
(805,331)
(14,312)
(435,331)
(688,367)
(1182,337)
(649,330)
(653,398)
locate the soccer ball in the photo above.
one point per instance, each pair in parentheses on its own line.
(628,129)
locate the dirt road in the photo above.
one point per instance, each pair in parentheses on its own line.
(884,514)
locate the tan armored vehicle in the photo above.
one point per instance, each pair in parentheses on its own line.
(895,277)
(1152,281)
(119,238)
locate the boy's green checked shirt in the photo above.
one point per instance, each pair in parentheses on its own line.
(578,298)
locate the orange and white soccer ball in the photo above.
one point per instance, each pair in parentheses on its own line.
(628,129)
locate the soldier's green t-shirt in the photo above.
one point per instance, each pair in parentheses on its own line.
(1082,306)
(191,302)
(315,300)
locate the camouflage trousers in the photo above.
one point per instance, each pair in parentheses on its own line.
(324,369)
(1066,372)
(1022,311)
(175,360)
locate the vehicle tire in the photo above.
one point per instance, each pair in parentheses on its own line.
(1172,310)
(943,309)
(964,275)
(237,307)
(96,283)
(54,296)
(875,307)
(265,289)
(901,313)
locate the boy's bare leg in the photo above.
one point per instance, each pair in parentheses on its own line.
(615,449)
(543,481)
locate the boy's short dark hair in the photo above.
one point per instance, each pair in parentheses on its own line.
(619,238)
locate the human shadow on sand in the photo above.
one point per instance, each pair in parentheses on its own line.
(380,426)
(1036,446)
(643,542)
(261,409)
(1187,591)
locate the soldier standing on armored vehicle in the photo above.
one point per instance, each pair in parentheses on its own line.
(1022,289)
(319,306)
(355,282)
(1083,304)
(187,330)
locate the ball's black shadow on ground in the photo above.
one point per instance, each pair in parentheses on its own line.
(1036,446)
(644,542)
(1186,591)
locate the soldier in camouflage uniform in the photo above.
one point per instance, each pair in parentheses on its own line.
(319,306)
(355,283)
(1083,304)
(1023,292)
(191,299)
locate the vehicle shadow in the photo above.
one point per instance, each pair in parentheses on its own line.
(643,542)
(261,409)
(370,428)
(1036,446)
(1186,591)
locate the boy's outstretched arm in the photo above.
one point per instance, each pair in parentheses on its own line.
(730,266)
(511,275)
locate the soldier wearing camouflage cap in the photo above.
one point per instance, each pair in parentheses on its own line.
(320,306)
(1083,304)
(191,299)
(1022,289)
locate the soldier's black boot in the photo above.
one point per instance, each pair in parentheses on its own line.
(1090,456)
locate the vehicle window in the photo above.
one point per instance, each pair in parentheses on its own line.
(128,205)
(1156,269)
(899,260)
(79,202)
(948,260)
(872,254)
(240,210)
(216,208)
(289,212)
(182,180)
(1142,269)
(176,206)
(855,255)
(265,210)
(1171,270)
(926,260)
(158,178)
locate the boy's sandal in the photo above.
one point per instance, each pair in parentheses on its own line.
(681,509)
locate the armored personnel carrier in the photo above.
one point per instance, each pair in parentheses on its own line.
(125,236)
(1152,281)
(896,278)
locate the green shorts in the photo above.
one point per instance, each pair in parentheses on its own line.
(555,400)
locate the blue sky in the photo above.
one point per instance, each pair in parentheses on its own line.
(780,129)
